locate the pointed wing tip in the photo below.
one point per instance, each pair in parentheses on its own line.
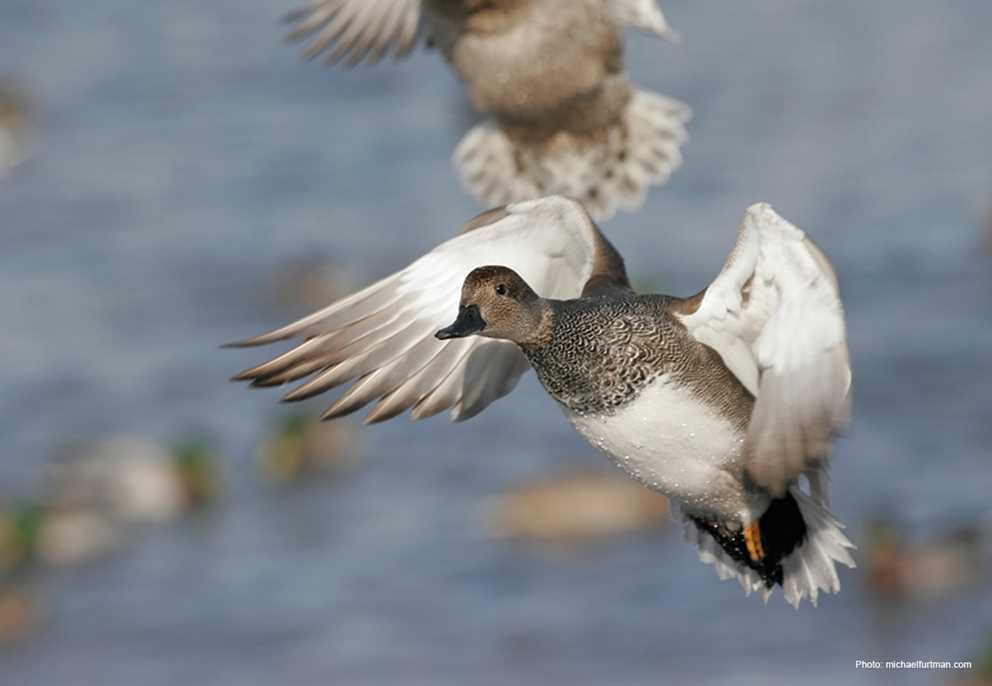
(423,410)
(253,379)
(264,339)
(759,210)
(333,412)
(372,419)
(762,216)
(762,213)
(294,396)
(379,414)
(665,32)
(263,382)
(645,15)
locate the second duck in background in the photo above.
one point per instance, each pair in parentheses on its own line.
(563,118)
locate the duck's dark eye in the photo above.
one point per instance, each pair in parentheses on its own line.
(501,289)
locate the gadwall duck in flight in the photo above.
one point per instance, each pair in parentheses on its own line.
(549,73)
(721,400)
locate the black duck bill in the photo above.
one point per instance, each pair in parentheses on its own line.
(468,322)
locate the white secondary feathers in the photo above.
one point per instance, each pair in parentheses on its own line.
(774,315)
(382,337)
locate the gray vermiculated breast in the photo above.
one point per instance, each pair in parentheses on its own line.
(603,351)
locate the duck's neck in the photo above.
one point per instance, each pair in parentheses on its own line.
(541,334)
(565,356)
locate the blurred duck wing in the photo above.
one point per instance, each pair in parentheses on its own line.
(641,14)
(352,31)
(775,317)
(381,339)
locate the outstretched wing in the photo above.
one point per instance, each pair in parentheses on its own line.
(774,314)
(641,14)
(357,30)
(382,338)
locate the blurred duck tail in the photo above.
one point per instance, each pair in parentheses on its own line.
(605,167)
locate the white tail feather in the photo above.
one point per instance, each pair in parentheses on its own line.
(611,171)
(806,571)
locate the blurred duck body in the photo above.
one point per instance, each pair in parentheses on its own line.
(903,569)
(96,496)
(54,535)
(495,49)
(564,118)
(576,507)
(134,481)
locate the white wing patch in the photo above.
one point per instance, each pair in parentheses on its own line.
(382,338)
(641,14)
(775,316)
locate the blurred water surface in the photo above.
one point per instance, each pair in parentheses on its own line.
(184,154)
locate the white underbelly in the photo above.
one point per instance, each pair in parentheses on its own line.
(670,441)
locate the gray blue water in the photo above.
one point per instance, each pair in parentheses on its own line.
(185,155)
